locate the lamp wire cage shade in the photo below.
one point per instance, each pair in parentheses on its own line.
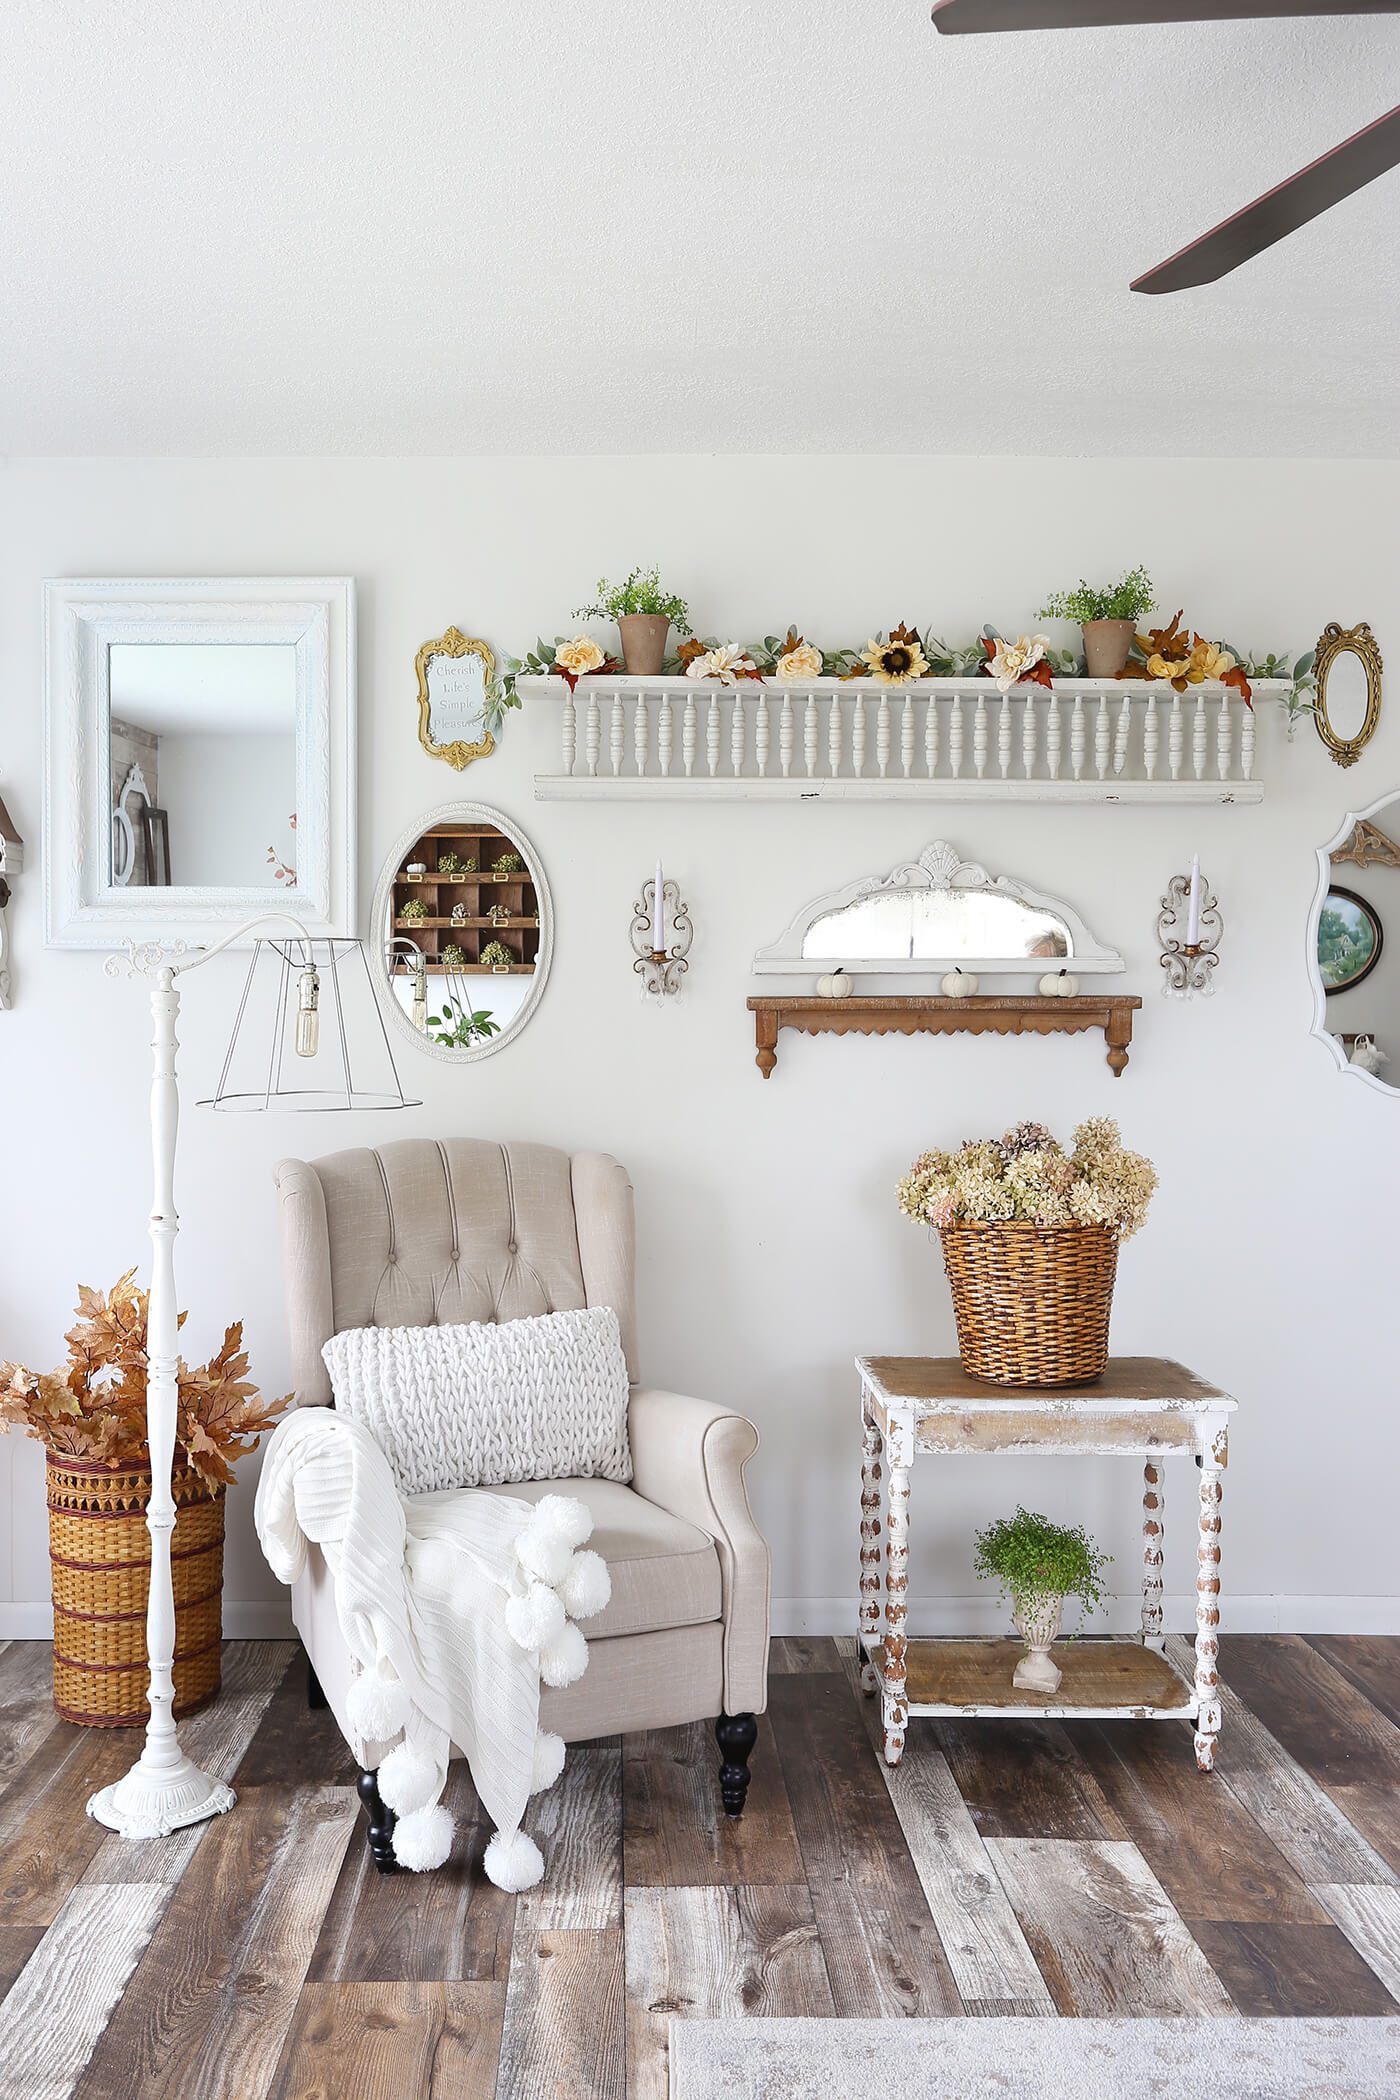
(1032,1302)
(308,1034)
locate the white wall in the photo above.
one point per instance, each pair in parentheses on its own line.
(229,799)
(771,1250)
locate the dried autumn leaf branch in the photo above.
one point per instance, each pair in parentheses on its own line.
(95,1406)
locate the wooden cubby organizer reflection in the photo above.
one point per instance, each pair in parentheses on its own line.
(502,908)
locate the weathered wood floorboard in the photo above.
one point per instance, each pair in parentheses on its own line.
(565,2018)
(392,2041)
(53,2017)
(674,1829)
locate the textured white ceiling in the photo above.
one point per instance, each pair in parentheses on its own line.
(656,225)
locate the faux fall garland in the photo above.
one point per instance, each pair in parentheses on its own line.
(95,1406)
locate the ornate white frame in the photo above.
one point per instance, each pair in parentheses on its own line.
(83,906)
(470,812)
(939,867)
(1324,884)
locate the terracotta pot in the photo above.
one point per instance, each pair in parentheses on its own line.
(643,637)
(1106,646)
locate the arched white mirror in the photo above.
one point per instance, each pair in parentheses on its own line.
(462,931)
(1355,969)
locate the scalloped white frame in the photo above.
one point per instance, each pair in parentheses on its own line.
(939,867)
(83,617)
(1324,884)
(470,812)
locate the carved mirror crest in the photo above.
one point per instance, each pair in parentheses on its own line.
(456,698)
(1347,669)
(936,913)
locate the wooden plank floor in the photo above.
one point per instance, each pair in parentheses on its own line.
(1023,1867)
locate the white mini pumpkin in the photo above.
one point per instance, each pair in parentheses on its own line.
(959,984)
(1059,984)
(835,986)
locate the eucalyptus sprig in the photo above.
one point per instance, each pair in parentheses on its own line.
(1032,1558)
(1300,699)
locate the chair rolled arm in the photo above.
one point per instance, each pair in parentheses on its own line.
(689,1456)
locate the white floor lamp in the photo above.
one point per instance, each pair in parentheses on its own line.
(165,1789)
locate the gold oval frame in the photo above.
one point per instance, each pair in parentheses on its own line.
(453,643)
(1338,641)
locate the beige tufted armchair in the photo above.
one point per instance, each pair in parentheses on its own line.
(423,1234)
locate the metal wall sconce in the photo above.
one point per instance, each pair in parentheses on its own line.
(661,936)
(1189,927)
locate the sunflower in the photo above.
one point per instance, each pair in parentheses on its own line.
(898,660)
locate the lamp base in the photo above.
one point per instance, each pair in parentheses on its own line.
(150,1804)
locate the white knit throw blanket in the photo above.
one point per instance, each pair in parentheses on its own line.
(455,1606)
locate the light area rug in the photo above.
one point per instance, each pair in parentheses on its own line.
(1022,2059)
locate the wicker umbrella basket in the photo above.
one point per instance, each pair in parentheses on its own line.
(1032,1301)
(100,1550)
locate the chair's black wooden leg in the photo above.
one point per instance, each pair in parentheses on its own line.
(736,1735)
(380,1835)
(315,1697)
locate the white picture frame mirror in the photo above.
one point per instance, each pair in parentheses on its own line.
(199,756)
(939,912)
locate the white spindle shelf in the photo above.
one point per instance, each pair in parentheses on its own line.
(940,740)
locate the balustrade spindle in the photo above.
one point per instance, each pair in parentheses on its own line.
(979,737)
(833,731)
(760,733)
(1052,738)
(1004,737)
(809,734)
(882,735)
(785,735)
(1176,738)
(1028,732)
(931,737)
(1198,737)
(688,734)
(1121,734)
(1150,735)
(592,736)
(641,733)
(955,738)
(1101,738)
(570,730)
(1224,736)
(664,736)
(1247,744)
(712,726)
(737,728)
(1076,738)
(615,737)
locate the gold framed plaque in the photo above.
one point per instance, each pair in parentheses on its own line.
(456,693)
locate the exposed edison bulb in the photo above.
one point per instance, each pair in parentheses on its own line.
(420,1000)
(308,1013)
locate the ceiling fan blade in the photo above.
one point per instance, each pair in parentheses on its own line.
(979,17)
(1282,210)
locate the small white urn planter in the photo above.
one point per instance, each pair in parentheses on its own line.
(1037,1620)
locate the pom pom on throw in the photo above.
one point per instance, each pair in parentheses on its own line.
(565,1513)
(535,1619)
(565,1659)
(587,1585)
(513,1863)
(377,1705)
(423,1839)
(408,1781)
(543,1549)
(549,1761)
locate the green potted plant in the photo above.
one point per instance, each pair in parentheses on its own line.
(497,956)
(457,1027)
(645,615)
(413,911)
(1107,617)
(1038,1565)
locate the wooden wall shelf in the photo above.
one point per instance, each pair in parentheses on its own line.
(997,1014)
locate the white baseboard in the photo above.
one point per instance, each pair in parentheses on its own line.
(983,1615)
(242,1622)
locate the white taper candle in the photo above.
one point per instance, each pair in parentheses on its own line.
(1193,908)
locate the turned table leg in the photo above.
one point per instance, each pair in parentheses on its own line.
(894,1699)
(871,1473)
(1152,1517)
(1211,1463)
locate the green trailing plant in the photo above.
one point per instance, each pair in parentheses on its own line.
(639,592)
(496,955)
(413,911)
(1128,599)
(458,1026)
(509,864)
(1032,1558)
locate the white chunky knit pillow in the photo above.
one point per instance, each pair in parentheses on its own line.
(482,1405)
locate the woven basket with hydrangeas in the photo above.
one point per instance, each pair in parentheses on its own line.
(1030,1238)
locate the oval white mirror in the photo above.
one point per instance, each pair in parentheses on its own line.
(1355,972)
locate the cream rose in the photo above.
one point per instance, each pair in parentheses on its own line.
(804,662)
(728,664)
(580,656)
(1013,659)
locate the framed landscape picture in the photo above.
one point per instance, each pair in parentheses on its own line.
(1349,940)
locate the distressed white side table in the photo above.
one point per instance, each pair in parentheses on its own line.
(1145,1407)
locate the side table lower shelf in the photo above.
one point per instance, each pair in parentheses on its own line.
(1104,1678)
